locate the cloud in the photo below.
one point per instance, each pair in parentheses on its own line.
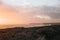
(43,17)
(53,12)
(31,14)
(48,13)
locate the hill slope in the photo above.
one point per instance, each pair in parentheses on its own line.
(33,33)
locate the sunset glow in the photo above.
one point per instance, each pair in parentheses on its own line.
(28,11)
(2,20)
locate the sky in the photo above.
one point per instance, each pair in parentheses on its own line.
(32,2)
(42,11)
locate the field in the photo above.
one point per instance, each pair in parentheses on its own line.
(33,33)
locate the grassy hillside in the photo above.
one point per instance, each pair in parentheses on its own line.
(34,33)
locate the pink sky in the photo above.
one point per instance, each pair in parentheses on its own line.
(20,15)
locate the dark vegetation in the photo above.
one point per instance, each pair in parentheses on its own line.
(34,33)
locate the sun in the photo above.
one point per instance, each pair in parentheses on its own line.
(2,20)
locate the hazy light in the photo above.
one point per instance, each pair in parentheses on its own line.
(43,17)
(2,20)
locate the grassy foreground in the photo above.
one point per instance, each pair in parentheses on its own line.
(33,33)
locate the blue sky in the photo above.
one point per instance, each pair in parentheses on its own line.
(32,2)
